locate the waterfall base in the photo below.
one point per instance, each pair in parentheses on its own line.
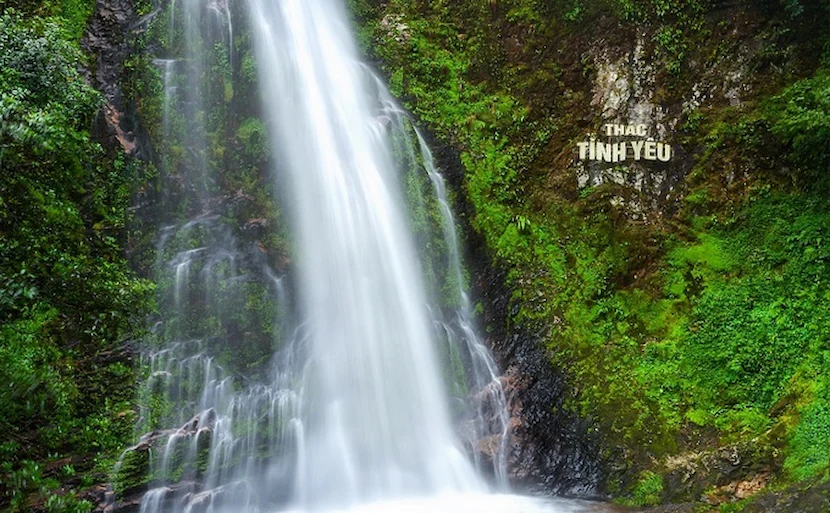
(478,503)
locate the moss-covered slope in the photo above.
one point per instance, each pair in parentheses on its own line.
(687,301)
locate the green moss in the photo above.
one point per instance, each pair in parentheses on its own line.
(809,444)
(133,472)
(733,507)
(647,491)
(251,133)
(800,116)
(203,451)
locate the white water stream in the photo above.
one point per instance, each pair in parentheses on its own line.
(355,415)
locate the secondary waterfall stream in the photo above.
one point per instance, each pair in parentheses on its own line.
(378,397)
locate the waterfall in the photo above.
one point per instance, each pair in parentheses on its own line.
(376,395)
(379,424)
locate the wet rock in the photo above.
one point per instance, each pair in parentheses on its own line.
(551,449)
(199,502)
(133,471)
(110,33)
(808,497)
(164,496)
(96,495)
(132,475)
(487,449)
(738,490)
(255,228)
(395,27)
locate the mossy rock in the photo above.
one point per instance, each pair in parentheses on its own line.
(133,474)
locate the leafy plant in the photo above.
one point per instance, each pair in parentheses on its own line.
(800,116)
(66,293)
(647,490)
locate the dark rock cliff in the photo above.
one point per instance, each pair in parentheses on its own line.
(110,40)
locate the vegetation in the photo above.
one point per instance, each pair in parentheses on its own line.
(67,297)
(699,327)
(647,491)
(799,117)
(236,312)
(686,323)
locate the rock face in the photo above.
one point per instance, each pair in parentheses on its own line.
(624,93)
(627,88)
(550,450)
(727,474)
(112,28)
(807,497)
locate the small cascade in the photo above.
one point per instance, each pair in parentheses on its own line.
(168,74)
(210,430)
(490,419)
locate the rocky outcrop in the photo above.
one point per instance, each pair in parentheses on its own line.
(111,31)
(727,474)
(812,496)
(551,449)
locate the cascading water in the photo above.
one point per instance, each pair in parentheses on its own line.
(487,417)
(376,415)
(375,388)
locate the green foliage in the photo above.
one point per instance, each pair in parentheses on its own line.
(793,7)
(143,7)
(678,22)
(143,84)
(66,294)
(31,364)
(733,507)
(755,293)
(671,42)
(63,203)
(69,17)
(254,139)
(809,444)
(647,491)
(72,15)
(132,471)
(249,67)
(29,478)
(800,116)
(746,340)
(67,503)
(576,12)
